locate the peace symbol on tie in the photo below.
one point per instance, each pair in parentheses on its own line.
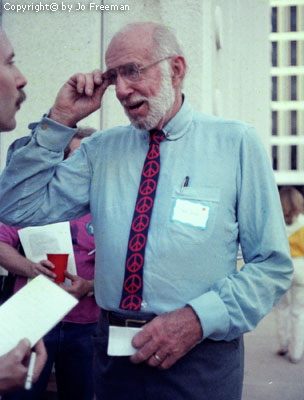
(137,242)
(144,204)
(133,283)
(135,262)
(131,302)
(154,152)
(147,187)
(131,296)
(150,169)
(140,223)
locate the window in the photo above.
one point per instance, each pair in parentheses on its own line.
(287,97)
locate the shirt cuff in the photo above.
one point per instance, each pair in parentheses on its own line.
(212,314)
(52,135)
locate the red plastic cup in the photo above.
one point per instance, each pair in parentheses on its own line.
(61,262)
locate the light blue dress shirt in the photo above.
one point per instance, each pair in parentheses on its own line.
(229,174)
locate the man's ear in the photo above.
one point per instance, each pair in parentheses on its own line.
(178,70)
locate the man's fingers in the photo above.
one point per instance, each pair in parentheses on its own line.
(40,360)
(89,84)
(97,76)
(146,345)
(168,361)
(157,358)
(69,276)
(144,353)
(80,82)
(47,264)
(142,337)
(22,350)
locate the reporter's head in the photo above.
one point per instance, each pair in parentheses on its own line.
(11,84)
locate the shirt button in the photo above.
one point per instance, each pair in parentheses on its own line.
(168,134)
(144,304)
(44,127)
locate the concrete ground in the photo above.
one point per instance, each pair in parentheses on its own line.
(267,375)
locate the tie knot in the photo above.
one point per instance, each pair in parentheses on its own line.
(156,136)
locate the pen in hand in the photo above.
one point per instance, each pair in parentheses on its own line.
(30,371)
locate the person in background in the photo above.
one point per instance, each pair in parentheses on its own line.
(289,311)
(172,270)
(14,365)
(68,344)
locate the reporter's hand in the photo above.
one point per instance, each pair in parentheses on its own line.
(41,357)
(13,367)
(79,97)
(80,287)
(167,338)
(44,267)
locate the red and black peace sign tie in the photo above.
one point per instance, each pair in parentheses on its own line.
(131,297)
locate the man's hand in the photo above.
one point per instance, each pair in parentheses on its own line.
(167,338)
(79,97)
(44,267)
(41,357)
(14,365)
(80,287)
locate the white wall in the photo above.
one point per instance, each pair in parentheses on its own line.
(50,47)
(241,67)
(232,81)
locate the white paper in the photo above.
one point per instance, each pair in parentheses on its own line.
(32,312)
(190,213)
(37,241)
(119,343)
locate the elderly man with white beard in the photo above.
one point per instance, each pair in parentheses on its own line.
(171,196)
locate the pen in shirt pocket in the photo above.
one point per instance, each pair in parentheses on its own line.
(185,183)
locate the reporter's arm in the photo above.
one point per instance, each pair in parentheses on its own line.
(17,264)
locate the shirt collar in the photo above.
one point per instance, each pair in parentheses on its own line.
(180,123)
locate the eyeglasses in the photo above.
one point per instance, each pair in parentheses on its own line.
(129,71)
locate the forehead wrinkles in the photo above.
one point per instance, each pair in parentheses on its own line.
(127,48)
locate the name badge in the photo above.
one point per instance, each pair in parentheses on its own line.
(190,213)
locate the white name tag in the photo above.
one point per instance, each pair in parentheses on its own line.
(119,343)
(190,213)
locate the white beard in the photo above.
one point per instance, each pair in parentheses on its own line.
(159,105)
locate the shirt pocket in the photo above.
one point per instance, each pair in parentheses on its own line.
(187,233)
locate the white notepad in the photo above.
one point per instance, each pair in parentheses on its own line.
(32,312)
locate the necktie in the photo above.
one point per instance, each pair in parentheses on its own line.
(131,297)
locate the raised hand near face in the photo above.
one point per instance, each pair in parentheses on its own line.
(79,97)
